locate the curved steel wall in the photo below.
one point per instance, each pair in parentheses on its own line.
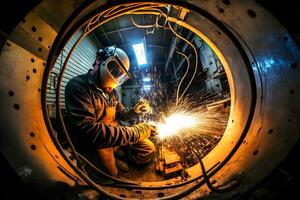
(263,86)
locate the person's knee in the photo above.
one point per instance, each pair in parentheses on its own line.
(148,149)
(151,148)
(145,153)
(107,161)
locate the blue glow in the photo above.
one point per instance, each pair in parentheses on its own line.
(268,64)
(147,87)
(147,79)
(140,53)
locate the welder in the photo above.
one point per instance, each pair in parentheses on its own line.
(95,112)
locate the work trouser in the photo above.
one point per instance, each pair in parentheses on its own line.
(140,153)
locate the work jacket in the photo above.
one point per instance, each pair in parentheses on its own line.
(87,106)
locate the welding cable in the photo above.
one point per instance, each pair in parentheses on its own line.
(196,58)
(92,24)
(165,186)
(117,180)
(82,158)
(209,184)
(86,161)
(81,173)
(58,106)
(132,7)
(141,26)
(96,178)
(183,77)
(188,190)
(156,25)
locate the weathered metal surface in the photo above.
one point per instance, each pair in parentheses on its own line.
(25,141)
(24,138)
(269,85)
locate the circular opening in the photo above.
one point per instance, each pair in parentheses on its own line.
(11,93)
(255,152)
(251,13)
(161,74)
(33,147)
(181,77)
(16,106)
(33,29)
(270,131)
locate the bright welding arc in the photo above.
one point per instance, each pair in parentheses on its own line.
(190,118)
(177,122)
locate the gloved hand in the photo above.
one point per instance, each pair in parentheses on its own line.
(145,130)
(142,107)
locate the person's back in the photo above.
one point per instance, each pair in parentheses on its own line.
(79,83)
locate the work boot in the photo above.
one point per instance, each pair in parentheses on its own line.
(122,165)
(140,164)
(122,154)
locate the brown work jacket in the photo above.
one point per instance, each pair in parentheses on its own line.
(88,109)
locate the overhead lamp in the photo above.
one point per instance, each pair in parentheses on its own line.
(147,87)
(140,53)
(147,79)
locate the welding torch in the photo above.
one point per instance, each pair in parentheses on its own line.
(143,108)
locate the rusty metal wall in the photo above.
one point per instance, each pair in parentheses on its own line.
(264,92)
(28,147)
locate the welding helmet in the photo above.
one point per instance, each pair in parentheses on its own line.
(114,66)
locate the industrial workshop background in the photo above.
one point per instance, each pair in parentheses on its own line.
(245,89)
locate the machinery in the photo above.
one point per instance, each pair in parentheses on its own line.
(168,163)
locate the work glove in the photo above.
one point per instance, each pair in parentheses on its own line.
(145,130)
(142,107)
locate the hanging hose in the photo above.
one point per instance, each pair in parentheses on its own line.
(117,180)
(196,59)
(209,184)
(183,77)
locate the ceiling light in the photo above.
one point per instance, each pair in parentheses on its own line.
(147,87)
(147,79)
(140,53)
